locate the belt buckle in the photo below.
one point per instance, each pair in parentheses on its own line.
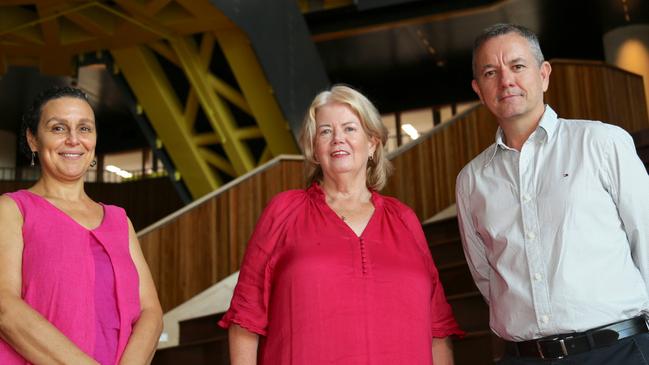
(562,344)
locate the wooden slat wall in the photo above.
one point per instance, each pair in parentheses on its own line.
(595,90)
(146,201)
(189,253)
(425,173)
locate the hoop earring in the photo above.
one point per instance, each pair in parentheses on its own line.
(371,158)
(93,163)
(32,163)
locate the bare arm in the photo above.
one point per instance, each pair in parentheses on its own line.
(243,346)
(442,351)
(144,339)
(22,327)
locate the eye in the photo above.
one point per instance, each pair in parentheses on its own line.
(57,128)
(518,67)
(324,131)
(86,129)
(489,74)
(350,128)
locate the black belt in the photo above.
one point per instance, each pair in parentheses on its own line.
(557,347)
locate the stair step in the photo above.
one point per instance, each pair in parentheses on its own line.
(641,138)
(212,352)
(470,310)
(446,252)
(443,230)
(474,349)
(456,278)
(201,328)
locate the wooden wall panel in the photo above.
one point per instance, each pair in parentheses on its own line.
(190,252)
(146,201)
(594,90)
(425,171)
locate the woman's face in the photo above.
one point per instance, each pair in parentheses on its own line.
(66,138)
(341,145)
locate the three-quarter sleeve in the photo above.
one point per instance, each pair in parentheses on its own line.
(249,305)
(443,322)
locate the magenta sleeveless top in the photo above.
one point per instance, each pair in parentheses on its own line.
(63,269)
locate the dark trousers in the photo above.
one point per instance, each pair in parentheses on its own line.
(633,350)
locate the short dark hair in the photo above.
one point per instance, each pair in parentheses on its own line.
(32,115)
(500,29)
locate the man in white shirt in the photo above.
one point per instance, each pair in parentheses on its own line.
(554,218)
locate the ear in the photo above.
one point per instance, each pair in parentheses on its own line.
(545,70)
(372,144)
(32,141)
(476,89)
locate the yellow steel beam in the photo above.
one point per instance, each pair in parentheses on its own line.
(50,28)
(165,51)
(217,161)
(153,91)
(229,93)
(257,91)
(217,112)
(221,87)
(249,133)
(154,6)
(95,21)
(205,139)
(191,109)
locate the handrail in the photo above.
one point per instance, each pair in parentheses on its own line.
(219,191)
(437,129)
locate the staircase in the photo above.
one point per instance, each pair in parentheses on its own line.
(470,310)
(201,341)
(641,139)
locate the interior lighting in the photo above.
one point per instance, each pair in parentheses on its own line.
(113,169)
(410,131)
(116,170)
(124,174)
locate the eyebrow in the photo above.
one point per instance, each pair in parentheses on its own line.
(514,61)
(326,124)
(63,120)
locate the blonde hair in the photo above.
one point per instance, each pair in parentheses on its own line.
(379,167)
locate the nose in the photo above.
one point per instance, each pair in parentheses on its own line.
(337,135)
(73,138)
(506,78)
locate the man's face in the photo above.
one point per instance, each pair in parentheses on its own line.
(508,79)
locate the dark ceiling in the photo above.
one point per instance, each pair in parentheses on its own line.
(402,56)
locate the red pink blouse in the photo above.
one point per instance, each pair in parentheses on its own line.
(317,293)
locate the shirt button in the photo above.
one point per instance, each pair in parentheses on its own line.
(526,198)
(545,319)
(531,235)
(537,276)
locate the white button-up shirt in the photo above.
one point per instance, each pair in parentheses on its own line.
(557,235)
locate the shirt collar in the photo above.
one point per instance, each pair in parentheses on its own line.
(546,128)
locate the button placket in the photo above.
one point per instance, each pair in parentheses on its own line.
(531,238)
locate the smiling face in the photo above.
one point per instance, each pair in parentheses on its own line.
(66,138)
(509,80)
(341,144)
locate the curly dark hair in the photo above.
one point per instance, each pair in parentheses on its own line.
(32,115)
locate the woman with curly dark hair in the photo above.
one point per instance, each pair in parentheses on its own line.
(74,285)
